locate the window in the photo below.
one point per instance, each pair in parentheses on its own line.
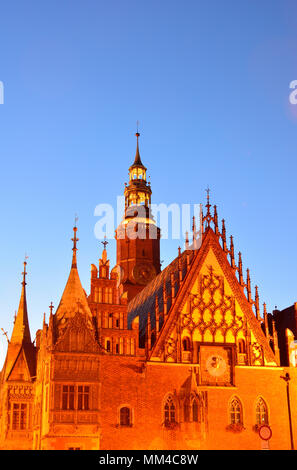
(96,294)
(83,397)
(195,411)
(241,346)
(235,411)
(186,411)
(110,320)
(186,344)
(169,411)
(76,397)
(108,345)
(19,416)
(68,397)
(261,412)
(125,416)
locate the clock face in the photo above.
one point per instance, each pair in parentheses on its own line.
(143,273)
(216,365)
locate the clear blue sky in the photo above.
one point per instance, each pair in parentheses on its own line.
(209,83)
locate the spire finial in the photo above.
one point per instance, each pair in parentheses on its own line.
(208,205)
(137,160)
(75,240)
(194,229)
(248,285)
(24,273)
(208,218)
(224,236)
(240,269)
(256,303)
(208,191)
(105,242)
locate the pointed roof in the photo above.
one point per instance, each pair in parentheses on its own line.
(74,297)
(144,302)
(21,331)
(137,160)
(20,344)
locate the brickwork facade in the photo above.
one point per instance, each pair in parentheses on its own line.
(173,359)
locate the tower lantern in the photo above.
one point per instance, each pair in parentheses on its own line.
(138,191)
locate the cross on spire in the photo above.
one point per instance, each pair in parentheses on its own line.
(51,307)
(105,242)
(24,273)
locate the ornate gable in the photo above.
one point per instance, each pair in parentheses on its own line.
(77,337)
(211,308)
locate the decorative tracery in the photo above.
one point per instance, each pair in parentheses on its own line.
(212,312)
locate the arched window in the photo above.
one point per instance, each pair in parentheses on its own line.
(235,411)
(186,411)
(195,411)
(241,346)
(125,416)
(186,344)
(169,412)
(261,412)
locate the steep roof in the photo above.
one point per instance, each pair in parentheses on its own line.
(74,297)
(144,302)
(137,159)
(20,344)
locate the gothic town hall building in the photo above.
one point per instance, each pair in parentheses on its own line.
(179,358)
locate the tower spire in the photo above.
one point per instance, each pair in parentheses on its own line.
(73,294)
(21,331)
(137,160)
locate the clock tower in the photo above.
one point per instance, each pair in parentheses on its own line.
(138,237)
